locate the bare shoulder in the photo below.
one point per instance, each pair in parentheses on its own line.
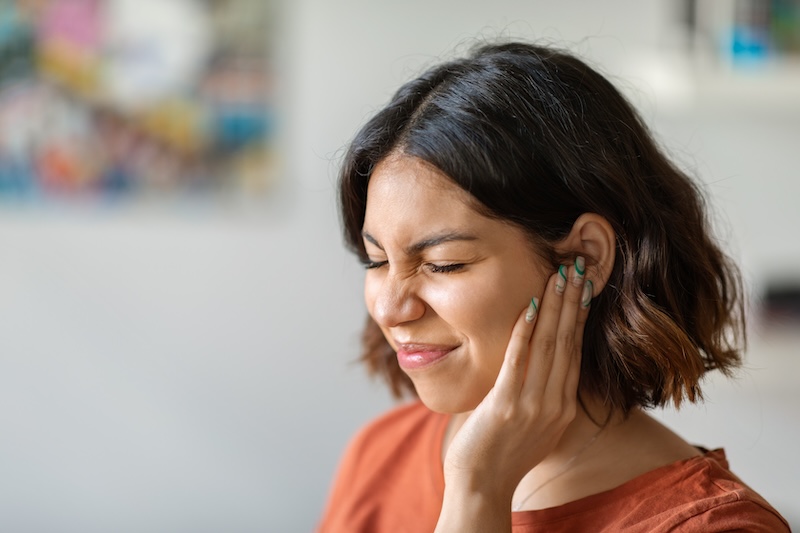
(652,443)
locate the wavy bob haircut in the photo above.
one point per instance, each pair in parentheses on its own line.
(538,138)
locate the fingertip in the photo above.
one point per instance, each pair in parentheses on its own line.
(523,327)
(580,270)
(533,310)
(588,294)
(561,279)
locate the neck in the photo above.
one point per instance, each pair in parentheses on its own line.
(552,481)
(573,455)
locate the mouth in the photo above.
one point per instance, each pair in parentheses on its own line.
(416,356)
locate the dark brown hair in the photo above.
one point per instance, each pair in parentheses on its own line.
(538,138)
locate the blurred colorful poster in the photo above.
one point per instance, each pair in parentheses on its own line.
(130,99)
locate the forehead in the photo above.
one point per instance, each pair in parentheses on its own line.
(407,186)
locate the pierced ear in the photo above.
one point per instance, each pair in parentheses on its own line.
(592,237)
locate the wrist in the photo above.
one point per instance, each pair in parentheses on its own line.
(473,507)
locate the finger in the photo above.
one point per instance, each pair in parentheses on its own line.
(569,337)
(543,342)
(586,302)
(515,362)
(587,294)
(573,375)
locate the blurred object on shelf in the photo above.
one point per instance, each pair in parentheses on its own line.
(750,37)
(745,32)
(785,27)
(781,304)
(133,99)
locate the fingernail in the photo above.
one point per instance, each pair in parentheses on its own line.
(580,269)
(561,282)
(588,289)
(533,308)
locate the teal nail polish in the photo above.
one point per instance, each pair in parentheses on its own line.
(588,290)
(580,266)
(533,308)
(561,282)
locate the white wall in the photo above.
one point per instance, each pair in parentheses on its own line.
(191,369)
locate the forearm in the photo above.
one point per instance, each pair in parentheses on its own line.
(467,510)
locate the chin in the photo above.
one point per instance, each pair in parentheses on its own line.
(448,401)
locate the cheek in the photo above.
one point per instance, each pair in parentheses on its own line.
(483,310)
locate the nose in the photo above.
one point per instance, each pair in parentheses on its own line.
(394,300)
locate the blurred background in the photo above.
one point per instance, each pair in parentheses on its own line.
(179,318)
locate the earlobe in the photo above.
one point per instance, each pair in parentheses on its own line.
(592,237)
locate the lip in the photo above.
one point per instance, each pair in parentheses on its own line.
(415,356)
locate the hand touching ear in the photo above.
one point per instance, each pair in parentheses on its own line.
(525,414)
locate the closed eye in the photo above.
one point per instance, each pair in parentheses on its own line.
(374,264)
(445,269)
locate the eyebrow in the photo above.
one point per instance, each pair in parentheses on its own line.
(430,242)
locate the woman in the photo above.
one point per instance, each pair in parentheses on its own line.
(538,274)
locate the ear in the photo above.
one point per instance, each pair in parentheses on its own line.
(593,238)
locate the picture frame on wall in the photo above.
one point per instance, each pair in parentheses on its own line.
(136,99)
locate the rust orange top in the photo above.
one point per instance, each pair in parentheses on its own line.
(391,480)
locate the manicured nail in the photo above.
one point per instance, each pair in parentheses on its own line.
(580,270)
(588,289)
(533,308)
(561,282)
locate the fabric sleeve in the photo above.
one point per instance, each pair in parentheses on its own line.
(740,516)
(346,471)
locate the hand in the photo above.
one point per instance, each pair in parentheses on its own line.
(534,399)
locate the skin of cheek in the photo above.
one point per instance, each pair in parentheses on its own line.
(491,309)
(481,313)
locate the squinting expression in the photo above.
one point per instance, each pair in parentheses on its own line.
(444,282)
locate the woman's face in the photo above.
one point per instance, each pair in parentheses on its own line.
(445,283)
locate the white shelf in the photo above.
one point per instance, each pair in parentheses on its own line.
(679,84)
(773,87)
